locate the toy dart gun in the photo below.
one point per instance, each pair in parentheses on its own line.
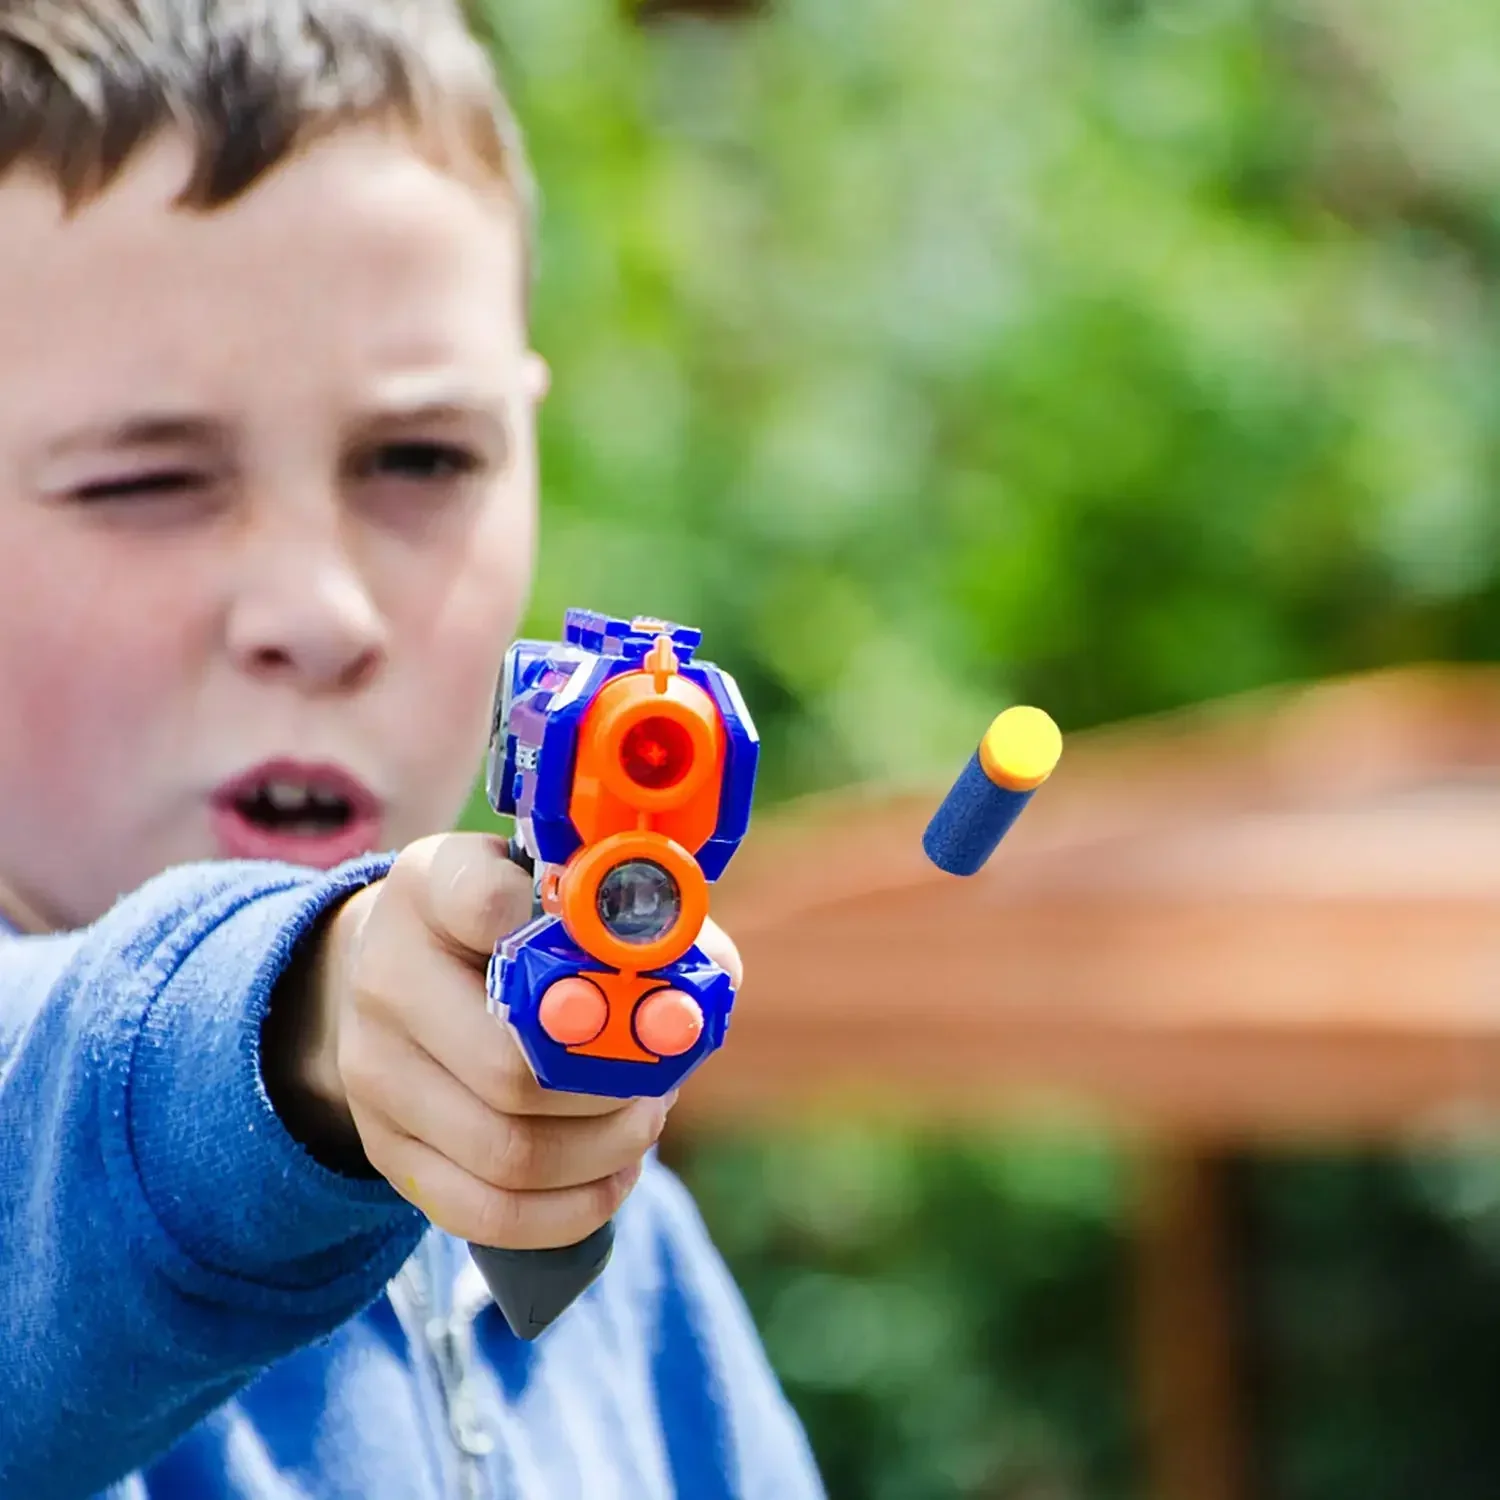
(1017,754)
(629,768)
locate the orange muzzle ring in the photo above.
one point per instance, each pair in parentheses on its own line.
(585,900)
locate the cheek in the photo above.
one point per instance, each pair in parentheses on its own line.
(88,683)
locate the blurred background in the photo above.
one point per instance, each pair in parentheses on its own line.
(1110,355)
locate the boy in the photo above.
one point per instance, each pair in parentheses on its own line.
(267,486)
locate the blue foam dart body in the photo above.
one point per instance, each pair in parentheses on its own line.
(973,818)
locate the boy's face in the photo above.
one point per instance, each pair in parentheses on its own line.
(267,500)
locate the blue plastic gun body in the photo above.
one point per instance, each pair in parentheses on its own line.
(629,768)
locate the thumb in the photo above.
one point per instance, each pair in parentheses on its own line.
(720,947)
(470,893)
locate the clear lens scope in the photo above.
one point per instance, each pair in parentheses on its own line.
(639,901)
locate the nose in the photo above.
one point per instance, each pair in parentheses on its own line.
(303,613)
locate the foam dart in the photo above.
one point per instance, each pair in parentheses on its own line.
(1016,755)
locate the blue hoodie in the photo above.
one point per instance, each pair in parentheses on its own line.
(192,1308)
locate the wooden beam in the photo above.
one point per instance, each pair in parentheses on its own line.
(1218,1020)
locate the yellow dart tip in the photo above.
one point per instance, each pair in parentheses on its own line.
(1020,749)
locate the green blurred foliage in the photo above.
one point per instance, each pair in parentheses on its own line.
(1109,354)
(946,1317)
(1105,354)
(1375,1288)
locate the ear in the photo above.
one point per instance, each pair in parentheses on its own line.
(537,378)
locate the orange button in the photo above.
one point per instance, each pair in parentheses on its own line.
(668,1023)
(573,1012)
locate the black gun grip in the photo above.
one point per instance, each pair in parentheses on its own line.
(534,1287)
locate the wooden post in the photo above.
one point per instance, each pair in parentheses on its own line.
(1190,1338)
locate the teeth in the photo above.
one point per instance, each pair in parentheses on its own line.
(285,796)
(327,801)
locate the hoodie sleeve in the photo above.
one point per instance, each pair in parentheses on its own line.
(162,1238)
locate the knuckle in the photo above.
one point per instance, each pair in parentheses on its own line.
(357,1066)
(607,1197)
(505,904)
(645,1126)
(513,1157)
(506,1080)
(379,1146)
(499,1219)
(376,961)
(372,991)
(494,896)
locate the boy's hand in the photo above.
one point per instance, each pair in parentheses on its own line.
(400,1044)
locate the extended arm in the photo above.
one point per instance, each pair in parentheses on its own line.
(162,1237)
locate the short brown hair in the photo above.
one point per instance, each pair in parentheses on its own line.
(86,84)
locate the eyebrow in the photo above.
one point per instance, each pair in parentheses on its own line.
(490,413)
(146,430)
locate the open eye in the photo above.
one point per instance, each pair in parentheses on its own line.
(421,462)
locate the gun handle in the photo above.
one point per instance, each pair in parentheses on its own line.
(532,1288)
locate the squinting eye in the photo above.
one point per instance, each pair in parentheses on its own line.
(149,484)
(422,462)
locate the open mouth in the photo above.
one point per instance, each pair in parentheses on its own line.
(314,815)
(286,807)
